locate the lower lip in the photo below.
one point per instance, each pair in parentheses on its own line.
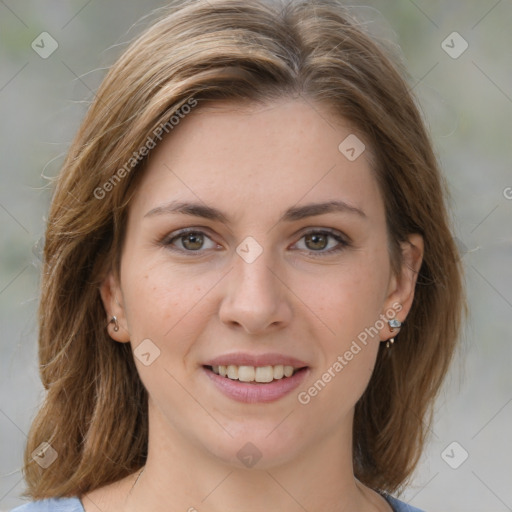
(257,392)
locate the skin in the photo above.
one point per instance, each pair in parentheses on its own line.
(253,163)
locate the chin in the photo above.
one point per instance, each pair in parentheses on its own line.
(252,451)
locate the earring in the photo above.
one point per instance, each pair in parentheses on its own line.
(393,325)
(114,321)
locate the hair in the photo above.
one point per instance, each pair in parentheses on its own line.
(95,409)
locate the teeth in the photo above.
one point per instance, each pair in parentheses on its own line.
(233,371)
(279,371)
(254,373)
(288,370)
(247,373)
(264,374)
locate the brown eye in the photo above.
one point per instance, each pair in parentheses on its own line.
(316,241)
(192,241)
(189,241)
(322,242)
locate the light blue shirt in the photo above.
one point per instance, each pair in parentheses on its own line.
(75,505)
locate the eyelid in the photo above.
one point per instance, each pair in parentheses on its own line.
(176,235)
(329,231)
(343,240)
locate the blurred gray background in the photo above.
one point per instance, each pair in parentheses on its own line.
(466,98)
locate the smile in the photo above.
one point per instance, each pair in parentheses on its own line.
(252,384)
(261,374)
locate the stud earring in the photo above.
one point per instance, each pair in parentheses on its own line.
(114,321)
(393,325)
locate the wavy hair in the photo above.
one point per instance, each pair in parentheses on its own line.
(95,409)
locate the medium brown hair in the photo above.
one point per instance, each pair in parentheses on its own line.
(95,411)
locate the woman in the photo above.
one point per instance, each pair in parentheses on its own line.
(251,294)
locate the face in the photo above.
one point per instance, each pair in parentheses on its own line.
(253,236)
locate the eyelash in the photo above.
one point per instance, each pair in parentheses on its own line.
(342,242)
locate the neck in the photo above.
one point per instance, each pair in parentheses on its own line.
(184,477)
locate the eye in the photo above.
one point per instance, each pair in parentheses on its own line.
(189,240)
(316,242)
(322,242)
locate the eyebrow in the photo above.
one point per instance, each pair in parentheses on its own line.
(291,214)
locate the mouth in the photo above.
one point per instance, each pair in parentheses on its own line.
(256,378)
(255,374)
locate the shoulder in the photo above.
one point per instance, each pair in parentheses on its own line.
(400,506)
(52,505)
(74,505)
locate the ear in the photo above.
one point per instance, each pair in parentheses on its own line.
(401,287)
(112,298)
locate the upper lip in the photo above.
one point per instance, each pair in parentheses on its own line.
(244,359)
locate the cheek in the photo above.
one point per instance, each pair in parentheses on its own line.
(162,301)
(347,303)
(150,302)
(347,299)
(164,306)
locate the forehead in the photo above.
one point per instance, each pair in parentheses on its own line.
(243,156)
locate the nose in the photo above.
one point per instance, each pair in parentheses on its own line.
(256,297)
